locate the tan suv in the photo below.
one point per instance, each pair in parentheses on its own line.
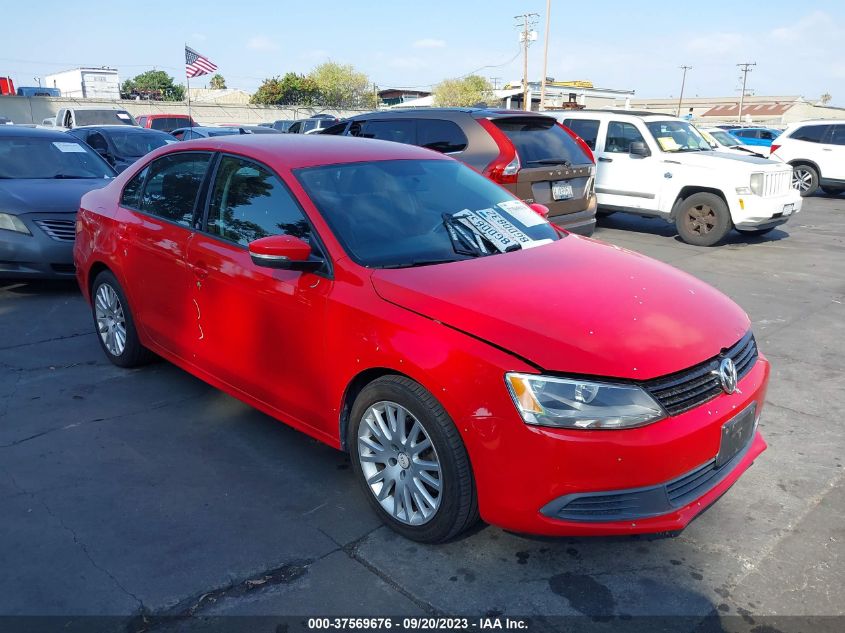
(529,154)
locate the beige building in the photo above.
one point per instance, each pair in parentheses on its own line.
(224,96)
(776,111)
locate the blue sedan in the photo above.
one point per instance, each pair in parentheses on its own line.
(761,136)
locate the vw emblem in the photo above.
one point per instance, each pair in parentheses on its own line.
(727,375)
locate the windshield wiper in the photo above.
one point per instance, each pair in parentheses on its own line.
(550,161)
(69,176)
(420,262)
(465,241)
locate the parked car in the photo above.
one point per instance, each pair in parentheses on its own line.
(43,175)
(656,165)
(165,122)
(258,129)
(528,153)
(755,136)
(723,141)
(50,121)
(190,133)
(282,125)
(483,361)
(38,91)
(121,145)
(69,118)
(816,151)
(312,125)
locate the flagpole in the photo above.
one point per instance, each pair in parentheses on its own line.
(188,82)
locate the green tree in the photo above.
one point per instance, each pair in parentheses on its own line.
(292,89)
(341,86)
(217,82)
(154,84)
(465,92)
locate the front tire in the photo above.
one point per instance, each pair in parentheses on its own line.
(703,219)
(114,323)
(410,461)
(805,179)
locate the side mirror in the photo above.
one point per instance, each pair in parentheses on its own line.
(283,251)
(638,148)
(540,209)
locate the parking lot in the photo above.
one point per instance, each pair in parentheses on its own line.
(148,492)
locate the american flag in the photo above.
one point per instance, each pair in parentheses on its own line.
(196,64)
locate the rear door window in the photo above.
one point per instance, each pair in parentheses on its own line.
(619,137)
(810,133)
(173,185)
(441,135)
(837,136)
(587,129)
(541,141)
(397,130)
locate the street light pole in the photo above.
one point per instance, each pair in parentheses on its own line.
(545,54)
(683,82)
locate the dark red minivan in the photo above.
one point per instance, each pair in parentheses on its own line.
(165,122)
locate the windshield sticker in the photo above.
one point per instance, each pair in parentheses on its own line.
(668,144)
(69,147)
(123,115)
(535,243)
(495,228)
(169,142)
(522,212)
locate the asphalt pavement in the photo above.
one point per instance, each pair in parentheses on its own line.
(140,493)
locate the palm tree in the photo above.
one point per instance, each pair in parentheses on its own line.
(217,82)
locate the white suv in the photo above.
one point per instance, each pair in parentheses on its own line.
(657,165)
(816,151)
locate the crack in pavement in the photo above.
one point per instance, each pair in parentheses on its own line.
(47,340)
(77,541)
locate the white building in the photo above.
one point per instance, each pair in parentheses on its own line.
(86,83)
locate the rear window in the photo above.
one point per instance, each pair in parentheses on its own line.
(541,141)
(587,129)
(102,117)
(810,133)
(169,123)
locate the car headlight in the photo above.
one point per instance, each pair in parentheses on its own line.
(744,191)
(757,184)
(581,404)
(13,223)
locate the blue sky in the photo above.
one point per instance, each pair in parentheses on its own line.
(798,47)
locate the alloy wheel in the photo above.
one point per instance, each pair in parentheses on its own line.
(111,322)
(400,463)
(700,219)
(802,179)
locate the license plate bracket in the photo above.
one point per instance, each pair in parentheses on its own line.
(562,190)
(788,208)
(736,433)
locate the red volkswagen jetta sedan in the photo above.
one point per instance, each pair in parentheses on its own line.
(471,357)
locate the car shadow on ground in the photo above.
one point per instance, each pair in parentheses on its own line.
(28,287)
(657,226)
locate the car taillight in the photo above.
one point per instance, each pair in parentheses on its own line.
(774,149)
(505,167)
(581,143)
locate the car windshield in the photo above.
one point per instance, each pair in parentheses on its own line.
(725,138)
(402,213)
(102,117)
(677,136)
(137,144)
(22,157)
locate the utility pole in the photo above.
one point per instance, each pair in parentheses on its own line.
(495,82)
(545,54)
(525,36)
(745,68)
(683,82)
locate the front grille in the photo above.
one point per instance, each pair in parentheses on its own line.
(688,389)
(776,183)
(61,230)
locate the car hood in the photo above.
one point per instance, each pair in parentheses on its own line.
(24,195)
(576,306)
(717,160)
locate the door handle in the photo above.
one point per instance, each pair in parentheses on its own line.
(602,159)
(827,149)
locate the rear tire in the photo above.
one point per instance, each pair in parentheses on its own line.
(426,495)
(114,324)
(805,179)
(703,219)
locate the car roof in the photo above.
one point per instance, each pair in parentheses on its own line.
(137,129)
(620,111)
(204,128)
(433,113)
(35,132)
(159,115)
(301,150)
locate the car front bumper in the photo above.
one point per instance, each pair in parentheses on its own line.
(40,255)
(523,472)
(754,212)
